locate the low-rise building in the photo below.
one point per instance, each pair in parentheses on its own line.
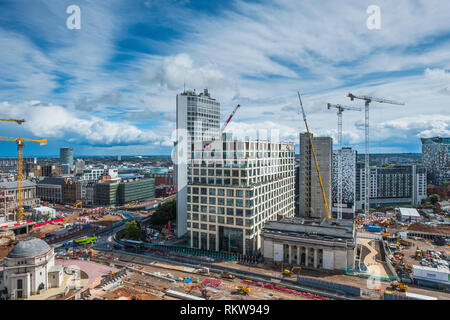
(93,174)
(50,189)
(29,269)
(138,190)
(436,278)
(106,193)
(328,245)
(408,214)
(8,195)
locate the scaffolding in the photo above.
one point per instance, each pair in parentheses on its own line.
(7,204)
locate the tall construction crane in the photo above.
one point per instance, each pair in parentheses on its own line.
(368,100)
(340,109)
(13,120)
(20,144)
(208,146)
(315,158)
(229,119)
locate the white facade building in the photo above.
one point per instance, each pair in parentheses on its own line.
(198,119)
(29,269)
(235,187)
(93,174)
(348,158)
(330,245)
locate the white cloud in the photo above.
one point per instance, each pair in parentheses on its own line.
(437,74)
(180,69)
(257,54)
(54,121)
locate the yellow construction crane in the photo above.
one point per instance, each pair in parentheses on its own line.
(13,120)
(315,158)
(20,144)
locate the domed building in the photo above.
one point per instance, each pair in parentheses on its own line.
(29,269)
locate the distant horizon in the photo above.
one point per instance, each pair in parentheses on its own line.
(162,155)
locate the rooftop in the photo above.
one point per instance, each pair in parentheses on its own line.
(30,247)
(13,185)
(327,229)
(409,212)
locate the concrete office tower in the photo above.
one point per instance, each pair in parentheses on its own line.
(311,199)
(66,156)
(348,182)
(436,159)
(198,119)
(235,187)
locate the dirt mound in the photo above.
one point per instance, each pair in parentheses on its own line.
(124,292)
(424,228)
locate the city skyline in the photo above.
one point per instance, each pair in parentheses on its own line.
(110,88)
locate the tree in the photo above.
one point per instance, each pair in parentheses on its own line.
(132,230)
(164,212)
(434,198)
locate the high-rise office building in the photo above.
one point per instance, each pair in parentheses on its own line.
(198,119)
(235,187)
(66,157)
(392,185)
(436,159)
(311,198)
(348,180)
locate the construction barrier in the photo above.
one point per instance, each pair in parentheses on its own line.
(393,296)
(286,290)
(186,250)
(369,235)
(320,284)
(47,222)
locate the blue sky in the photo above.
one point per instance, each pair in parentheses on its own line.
(109,88)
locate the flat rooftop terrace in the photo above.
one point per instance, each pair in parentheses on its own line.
(326,229)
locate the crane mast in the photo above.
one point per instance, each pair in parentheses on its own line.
(315,158)
(368,100)
(20,144)
(340,109)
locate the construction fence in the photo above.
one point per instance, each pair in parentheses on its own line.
(226,256)
(330,286)
(393,296)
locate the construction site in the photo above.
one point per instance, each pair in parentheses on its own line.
(136,278)
(117,275)
(318,258)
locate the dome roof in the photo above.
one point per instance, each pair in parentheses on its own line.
(29,247)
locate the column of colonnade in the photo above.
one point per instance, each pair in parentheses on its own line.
(295,254)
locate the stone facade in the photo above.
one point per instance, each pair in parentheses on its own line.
(234,188)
